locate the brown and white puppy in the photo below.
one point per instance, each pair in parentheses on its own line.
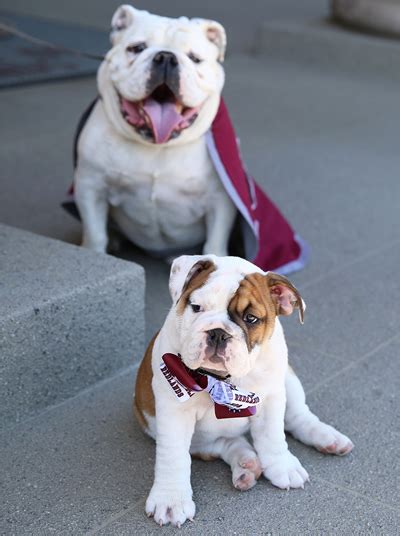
(224,320)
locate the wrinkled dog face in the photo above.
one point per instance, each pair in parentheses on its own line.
(162,79)
(226,310)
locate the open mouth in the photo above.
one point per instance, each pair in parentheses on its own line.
(218,374)
(160,117)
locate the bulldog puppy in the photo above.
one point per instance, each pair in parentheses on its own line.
(224,323)
(142,156)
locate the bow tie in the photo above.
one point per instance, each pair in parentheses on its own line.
(229,401)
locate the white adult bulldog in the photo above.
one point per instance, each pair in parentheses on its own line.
(142,156)
(224,321)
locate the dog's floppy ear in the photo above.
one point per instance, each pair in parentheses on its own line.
(184,269)
(215,33)
(285,296)
(121,20)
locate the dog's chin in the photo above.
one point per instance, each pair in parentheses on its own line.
(160,117)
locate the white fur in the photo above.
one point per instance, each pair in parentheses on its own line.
(191,427)
(168,196)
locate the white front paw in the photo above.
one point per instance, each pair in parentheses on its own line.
(285,471)
(167,506)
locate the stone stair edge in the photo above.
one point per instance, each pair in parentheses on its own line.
(21,311)
(328,47)
(51,349)
(124,267)
(327,29)
(94,387)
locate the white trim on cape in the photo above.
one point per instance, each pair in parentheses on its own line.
(251,247)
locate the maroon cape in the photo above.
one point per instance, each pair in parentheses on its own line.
(268,240)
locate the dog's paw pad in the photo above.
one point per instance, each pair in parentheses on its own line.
(245,475)
(253,464)
(244,480)
(329,441)
(338,448)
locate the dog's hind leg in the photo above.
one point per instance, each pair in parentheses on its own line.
(238,454)
(305,426)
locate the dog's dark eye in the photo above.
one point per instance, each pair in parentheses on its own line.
(194,58)
(136,49)
(195,308)
(251,319)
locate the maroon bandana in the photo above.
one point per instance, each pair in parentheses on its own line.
(229,401)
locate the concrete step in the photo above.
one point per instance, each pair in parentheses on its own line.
(68,318)
(323,46)
(381,16)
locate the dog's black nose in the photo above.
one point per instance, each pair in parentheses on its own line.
(217,337)
(165,58)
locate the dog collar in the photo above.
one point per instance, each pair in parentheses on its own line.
(229,401)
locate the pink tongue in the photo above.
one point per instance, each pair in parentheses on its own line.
(164,118)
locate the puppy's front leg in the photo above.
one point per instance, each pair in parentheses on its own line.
(219,221)
(91,198)
(170,498)
(267,427)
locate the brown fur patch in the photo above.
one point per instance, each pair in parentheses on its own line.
(253,297)
(276,280)
(197,277)
(143,400)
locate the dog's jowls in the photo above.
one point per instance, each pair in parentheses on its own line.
(142,155)
(224,320)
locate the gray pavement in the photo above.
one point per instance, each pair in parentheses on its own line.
(324,144)
(84,467)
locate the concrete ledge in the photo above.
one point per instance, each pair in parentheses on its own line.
(68,318)
(381,16)
(329,49)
